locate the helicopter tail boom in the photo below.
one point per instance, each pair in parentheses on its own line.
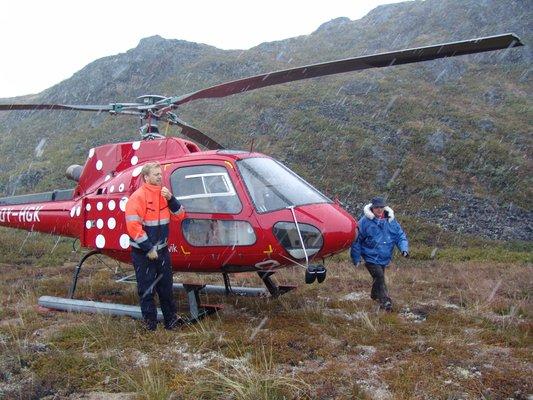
(49,212)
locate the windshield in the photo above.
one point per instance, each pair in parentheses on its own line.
(272,186)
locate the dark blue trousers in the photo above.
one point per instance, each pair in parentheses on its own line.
(154,276)
(379,288)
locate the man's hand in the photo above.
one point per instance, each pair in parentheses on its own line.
(166,193)
(152,254)
(405,254)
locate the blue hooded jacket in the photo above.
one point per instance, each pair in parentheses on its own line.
(376,238)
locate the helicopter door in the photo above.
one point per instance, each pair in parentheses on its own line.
(206,189)
(218,214)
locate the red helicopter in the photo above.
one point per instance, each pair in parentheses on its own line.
(244,210)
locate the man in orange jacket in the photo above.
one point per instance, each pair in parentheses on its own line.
(148,214)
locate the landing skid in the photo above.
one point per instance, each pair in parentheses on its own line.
(272,289)
(197,310)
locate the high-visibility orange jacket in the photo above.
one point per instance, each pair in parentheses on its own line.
(148,214)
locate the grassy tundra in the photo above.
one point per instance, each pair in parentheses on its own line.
(461,329)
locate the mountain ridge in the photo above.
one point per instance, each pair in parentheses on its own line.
(457,130)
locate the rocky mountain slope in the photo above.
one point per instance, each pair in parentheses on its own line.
(447,141)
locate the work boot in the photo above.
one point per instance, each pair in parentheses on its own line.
(173,323)
(386,304)
(150,325)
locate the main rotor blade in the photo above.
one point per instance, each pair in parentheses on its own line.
(406,56)
(195,134)
(9,107)
(114,108)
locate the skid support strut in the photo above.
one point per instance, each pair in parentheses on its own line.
(197,310)
(77,272)
(274,290)
(227,284)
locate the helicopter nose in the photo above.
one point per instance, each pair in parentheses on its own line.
(338,230)
(323,230)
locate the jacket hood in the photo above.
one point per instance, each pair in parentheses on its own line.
(370,215)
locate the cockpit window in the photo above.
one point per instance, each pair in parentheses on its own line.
(205,189)
(272,186)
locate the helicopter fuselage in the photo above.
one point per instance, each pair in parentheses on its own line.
(244,211)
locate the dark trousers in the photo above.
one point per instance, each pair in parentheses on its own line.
(154,276)
(379,288)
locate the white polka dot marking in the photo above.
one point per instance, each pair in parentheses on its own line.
(111,205)
(137,171)
(111,223)
(136,145)
(99,165)
(100,223)
(78,211)
(122,203)
(124,241)
(100,241)
(87,207)
(107,177)
(91,153)
(111,188)
(72,212)
(88,224)
(134,160)
(121,187)
(99,206)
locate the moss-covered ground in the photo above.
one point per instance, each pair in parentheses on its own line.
(461,328)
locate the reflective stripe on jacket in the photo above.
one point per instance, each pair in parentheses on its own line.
(148,214)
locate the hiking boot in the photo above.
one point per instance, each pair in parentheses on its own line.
(150,325)
(173,324)
(386,305)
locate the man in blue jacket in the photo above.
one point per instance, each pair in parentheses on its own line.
(378,233)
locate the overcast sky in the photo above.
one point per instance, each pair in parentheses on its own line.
(45,42)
